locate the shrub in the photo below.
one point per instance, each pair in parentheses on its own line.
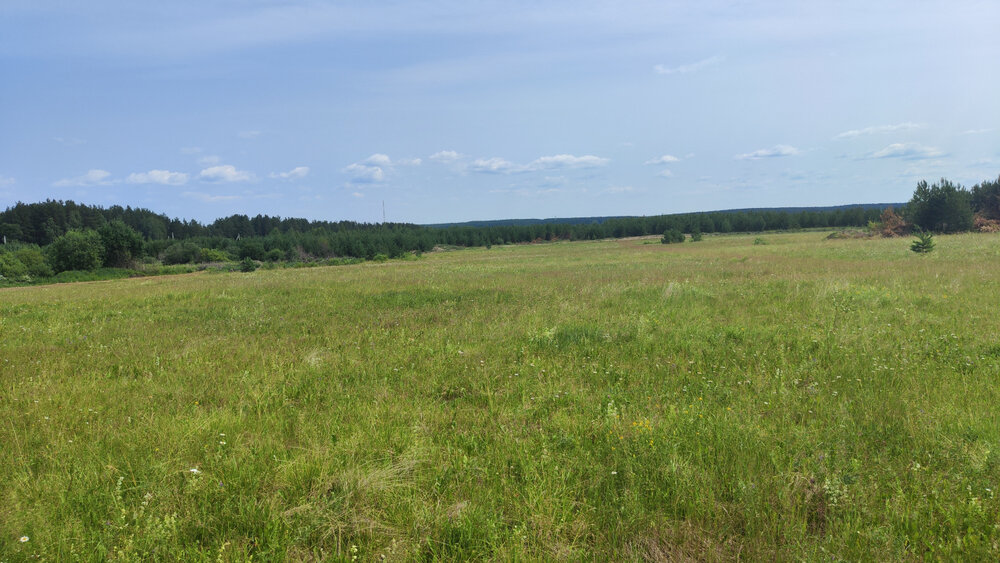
(76,250)
(33,258)
(248,265)
(182,253)
(671,236)
(759,241)
(122,245)
(924,242)
(274,255)
(696,236)
(214,255)
(12,268)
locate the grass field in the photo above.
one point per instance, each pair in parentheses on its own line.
(803,399)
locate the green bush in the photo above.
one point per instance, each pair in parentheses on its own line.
(34,259)
(11,268)
(182,253)
(696,236)
(214,255)
(76,250)
(248,265)
(122,245)
(672,236)
(274,255)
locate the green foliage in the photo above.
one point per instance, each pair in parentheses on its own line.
(986,199)
(33,257)
(182,253)
(274,255)
(672,236)
(943,207)
(76,250)
(247,265)
(924,242)
(11,268)
(122,245)
(759,241)
(696,236)
(214,255)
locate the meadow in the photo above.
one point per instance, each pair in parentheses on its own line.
(625,400)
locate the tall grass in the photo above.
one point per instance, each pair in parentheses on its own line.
(802,399)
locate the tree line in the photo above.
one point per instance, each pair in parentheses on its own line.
(45,238)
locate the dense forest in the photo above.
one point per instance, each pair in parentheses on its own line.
(42,239)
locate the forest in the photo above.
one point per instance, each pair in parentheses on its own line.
(43,239)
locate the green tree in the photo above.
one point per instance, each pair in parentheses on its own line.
(986,199)
(76,250)
(121,243)
(942,207)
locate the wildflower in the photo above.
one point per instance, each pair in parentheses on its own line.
(23,539)
(195,470)
(222,442)
(614,473)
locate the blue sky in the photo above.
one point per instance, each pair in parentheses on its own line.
(454,111)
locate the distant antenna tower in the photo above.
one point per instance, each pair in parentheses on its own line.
(383,211)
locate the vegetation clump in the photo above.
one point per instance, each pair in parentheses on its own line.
(924,242)
(672,236)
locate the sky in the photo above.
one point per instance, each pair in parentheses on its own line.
(447,111)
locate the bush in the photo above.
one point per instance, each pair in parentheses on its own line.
(33,258)
(672,236)
(76,250)
(248,265)
(696,236)
(12,268)
(214,255)
(924,242)
(759,241)
(274,255)
(122,245)
(182,253)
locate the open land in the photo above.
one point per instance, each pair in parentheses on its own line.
(612,400)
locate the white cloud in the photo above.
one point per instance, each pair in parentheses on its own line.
(665,159)
(690,67)
(620,189)
(379,159)
(91,178)
(225,173)
(164,177)
(975,131)
(249,134)
(567,161)
(190,150)
(775,151)
(7,181)
(68,141)
(410,162)
(665,173)
(495,165)
(364,174)
(358,194)
(209,198)
(445,156)
(209,160)
(878,129)
(293,174)
(909,151)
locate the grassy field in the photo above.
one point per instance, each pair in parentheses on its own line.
(803,399)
